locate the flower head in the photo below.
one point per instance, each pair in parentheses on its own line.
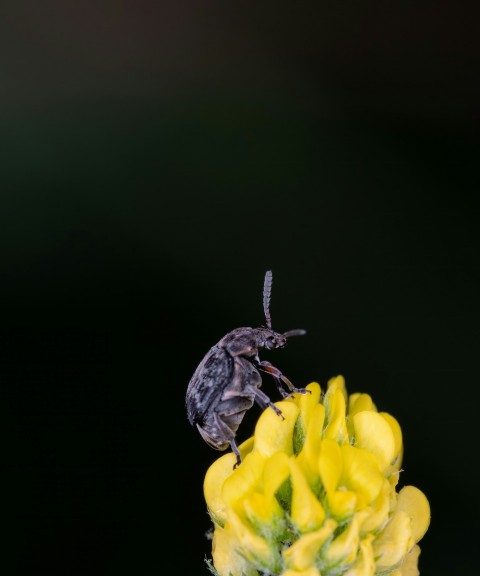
(316,493)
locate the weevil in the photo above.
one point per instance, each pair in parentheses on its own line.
(227,381)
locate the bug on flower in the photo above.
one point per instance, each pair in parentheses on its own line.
(227,381)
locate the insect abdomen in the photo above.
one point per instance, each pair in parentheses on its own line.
(211,378)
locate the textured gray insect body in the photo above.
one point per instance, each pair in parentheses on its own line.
(227,381)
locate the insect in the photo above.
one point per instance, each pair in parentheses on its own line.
(227,381)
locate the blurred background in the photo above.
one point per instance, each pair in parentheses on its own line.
(156,158)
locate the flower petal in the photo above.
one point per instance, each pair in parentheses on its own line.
(275,472)
(335,408)
(344,547)
(397,435)
(273,433)
(380,508)
(307,513)
(226,559)
(364,565)
(244,480)
(217,473)
(361,473)
(251,546)
(265,514)
(307,402)
(301,554)
(394,541)
(312,571)
(342,504)
(409,565)
(374,433)
(308,457)
(360,403)
(330,464)
(338,382)
(414,502)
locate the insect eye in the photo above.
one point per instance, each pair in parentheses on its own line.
(269,342)
(273,342)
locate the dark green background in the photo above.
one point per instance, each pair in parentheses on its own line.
(155,160)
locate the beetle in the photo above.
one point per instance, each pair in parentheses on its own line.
(227,381)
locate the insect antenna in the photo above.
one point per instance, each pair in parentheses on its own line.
(267,291)
(298,332)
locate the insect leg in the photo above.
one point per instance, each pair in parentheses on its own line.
(263,401)
(226,432)
(236,452)
(279,377)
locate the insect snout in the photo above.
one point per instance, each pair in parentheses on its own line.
(275,341)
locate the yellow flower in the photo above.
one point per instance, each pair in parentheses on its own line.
(316,493)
